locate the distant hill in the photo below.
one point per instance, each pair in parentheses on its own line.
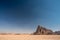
(44,31)
(57,32)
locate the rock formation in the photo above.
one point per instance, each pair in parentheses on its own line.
(43,31)
(57,32)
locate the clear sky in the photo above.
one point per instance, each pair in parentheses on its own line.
(23,16)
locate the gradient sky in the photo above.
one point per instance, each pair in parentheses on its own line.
(23,16)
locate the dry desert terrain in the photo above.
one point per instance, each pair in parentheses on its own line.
(29,37)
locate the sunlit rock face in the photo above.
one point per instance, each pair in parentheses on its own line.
(43,31)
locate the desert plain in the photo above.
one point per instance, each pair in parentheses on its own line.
(29,37)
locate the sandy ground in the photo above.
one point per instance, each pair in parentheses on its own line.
(29,37)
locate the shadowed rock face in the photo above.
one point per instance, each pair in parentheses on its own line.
(42,31)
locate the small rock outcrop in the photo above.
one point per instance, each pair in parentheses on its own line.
(43,31)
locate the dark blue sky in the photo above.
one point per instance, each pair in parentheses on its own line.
(25,15)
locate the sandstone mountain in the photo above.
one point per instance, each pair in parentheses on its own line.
(43,31)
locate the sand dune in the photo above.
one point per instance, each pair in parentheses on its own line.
(29,37)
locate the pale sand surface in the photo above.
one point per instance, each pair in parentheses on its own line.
(29,37)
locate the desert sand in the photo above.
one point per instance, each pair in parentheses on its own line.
(29,37)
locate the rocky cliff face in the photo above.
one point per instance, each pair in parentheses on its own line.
(42,31)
